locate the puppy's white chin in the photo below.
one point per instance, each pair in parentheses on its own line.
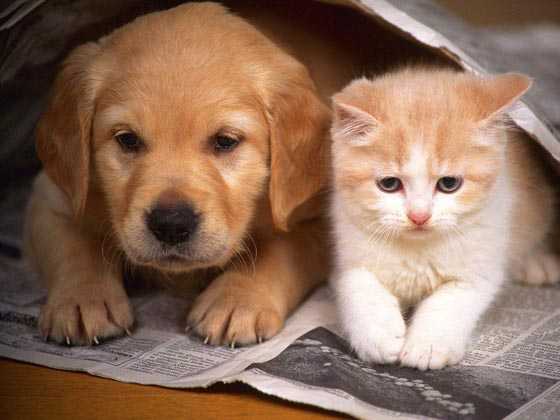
(176,261)
(176,264)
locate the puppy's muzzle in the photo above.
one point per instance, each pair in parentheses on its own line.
(172,224)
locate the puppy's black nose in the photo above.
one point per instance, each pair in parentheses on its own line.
(172,224)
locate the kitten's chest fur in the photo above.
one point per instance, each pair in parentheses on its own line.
(413,274)
(411,271)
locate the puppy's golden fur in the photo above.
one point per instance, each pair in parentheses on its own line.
(179,80)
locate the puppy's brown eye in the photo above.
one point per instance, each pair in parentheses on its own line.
(223,143)
(389,184)
(449,184)
(129,141)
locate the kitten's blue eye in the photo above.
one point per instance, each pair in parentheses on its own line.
(389,184)
(449,184)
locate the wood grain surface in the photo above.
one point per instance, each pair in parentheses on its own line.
(32,392)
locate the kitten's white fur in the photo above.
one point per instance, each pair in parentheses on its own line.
(372,278)
(449,279)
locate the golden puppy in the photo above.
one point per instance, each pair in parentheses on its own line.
(183,144)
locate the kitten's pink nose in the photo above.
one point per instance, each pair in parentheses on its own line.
(419,217)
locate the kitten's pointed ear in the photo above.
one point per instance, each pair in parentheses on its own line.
(502,91)
(352,124)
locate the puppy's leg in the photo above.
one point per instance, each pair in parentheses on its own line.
(249,304)
(86,299)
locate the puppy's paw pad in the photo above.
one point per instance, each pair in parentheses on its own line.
(541,269)
(269,323)
(78,318)
(227,316)
(424,353)
(230,324)
(250,325)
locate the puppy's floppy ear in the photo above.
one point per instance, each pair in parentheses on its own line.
(64,130)
(299,145)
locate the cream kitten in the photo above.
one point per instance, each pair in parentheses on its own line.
(435,205)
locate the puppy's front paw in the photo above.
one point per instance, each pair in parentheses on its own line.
(232,311)
(381,339)
(86,313)
(424,349)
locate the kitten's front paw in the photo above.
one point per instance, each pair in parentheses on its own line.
(424,350)
(381,339)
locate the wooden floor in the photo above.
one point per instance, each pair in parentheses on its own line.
(31,392)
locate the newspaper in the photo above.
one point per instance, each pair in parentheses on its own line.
(159,352)
(511,371)
(468,43)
